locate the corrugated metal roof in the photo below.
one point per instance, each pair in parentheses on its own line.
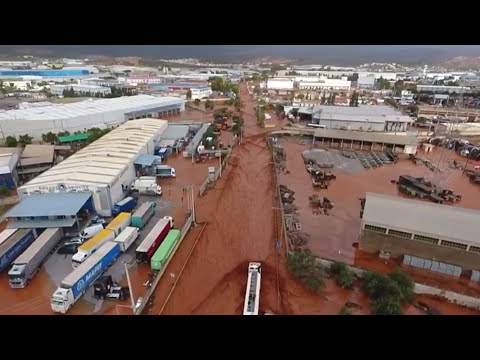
(424,218)
(369,136)
(114,151)
(145,160)
(51,204)
(40,223)
(174,132)
(90,107)
(37,154)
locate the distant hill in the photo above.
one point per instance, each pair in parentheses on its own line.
(323,54)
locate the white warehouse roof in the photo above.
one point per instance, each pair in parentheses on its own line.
(103,161)
(90,107)
(424,218)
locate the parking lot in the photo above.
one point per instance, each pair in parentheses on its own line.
(334,157)
(35,299)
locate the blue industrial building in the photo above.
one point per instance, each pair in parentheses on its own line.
(44,72)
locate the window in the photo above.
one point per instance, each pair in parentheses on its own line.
(426,239)
(375,228)
(402,234)
(475,249)
(454,245)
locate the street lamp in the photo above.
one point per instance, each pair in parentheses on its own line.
(130,287)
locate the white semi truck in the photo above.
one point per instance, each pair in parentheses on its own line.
(77,282)
(26,266)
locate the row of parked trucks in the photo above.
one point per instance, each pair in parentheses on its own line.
(100,252)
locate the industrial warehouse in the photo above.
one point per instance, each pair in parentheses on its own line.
(103,168)
(435,237)
(101,113)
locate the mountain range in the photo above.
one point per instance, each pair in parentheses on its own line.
(324,54)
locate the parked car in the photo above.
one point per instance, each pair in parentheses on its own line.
(97,220)
(68,249)
(74,241)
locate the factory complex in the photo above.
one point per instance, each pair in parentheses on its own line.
(103,168)
(79,116)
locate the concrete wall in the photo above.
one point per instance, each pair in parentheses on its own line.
(352,125)
(373,242)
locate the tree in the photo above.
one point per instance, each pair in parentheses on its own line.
(421,120)
(279,109)
(11,141)
(189,94)
(383,84)
(300,96)
(323,98)
(344,311)
(333,98)
(197,102)
(346,278)
(25,139)
(379,285)
(4,191)
(387,306)
(49,137)
(354,99)
(405,284)
(303,266)
(64,133)
(207,104)
(353,77)
(261,118)
(336,268)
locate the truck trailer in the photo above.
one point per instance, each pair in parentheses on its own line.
(15,245)
(127,237)
(165,250)
(92,245)
(165,171)
(126,205)
(118,224)
(77,282)
(26,266)
(153,240)
(6,234)
(143,214)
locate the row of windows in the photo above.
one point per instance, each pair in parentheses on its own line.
(427,239)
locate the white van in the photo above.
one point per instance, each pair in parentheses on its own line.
(91,231)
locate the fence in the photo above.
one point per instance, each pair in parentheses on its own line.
(157,278)
(207,181)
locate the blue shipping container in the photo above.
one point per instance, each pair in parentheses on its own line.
(14,248)
(98,269)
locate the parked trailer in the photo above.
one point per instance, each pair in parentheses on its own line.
(92,245)
(127,237)
(6,234)
(153,240)
(144,213)
(77,282)
(164,250)
(118,224)
(165,171)
(26,266)
(252,294)
(15,245)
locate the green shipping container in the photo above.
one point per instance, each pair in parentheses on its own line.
(165,250)
(142,215)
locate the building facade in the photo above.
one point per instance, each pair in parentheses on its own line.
(433,232)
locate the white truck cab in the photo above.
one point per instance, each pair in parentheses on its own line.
(62,300)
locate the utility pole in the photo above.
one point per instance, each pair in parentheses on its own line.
(193,203)
(220,160)
(130,287)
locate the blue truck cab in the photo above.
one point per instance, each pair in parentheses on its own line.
(126,205)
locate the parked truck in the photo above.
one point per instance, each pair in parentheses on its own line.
(78,281)
(165,171)
(15,245)
(143,214)
(119,224)
(6,234)
(127,237)
(26,266)
(126,205)
(165,250)
(92,245)
(146,185)
(153,240)
(106,288)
